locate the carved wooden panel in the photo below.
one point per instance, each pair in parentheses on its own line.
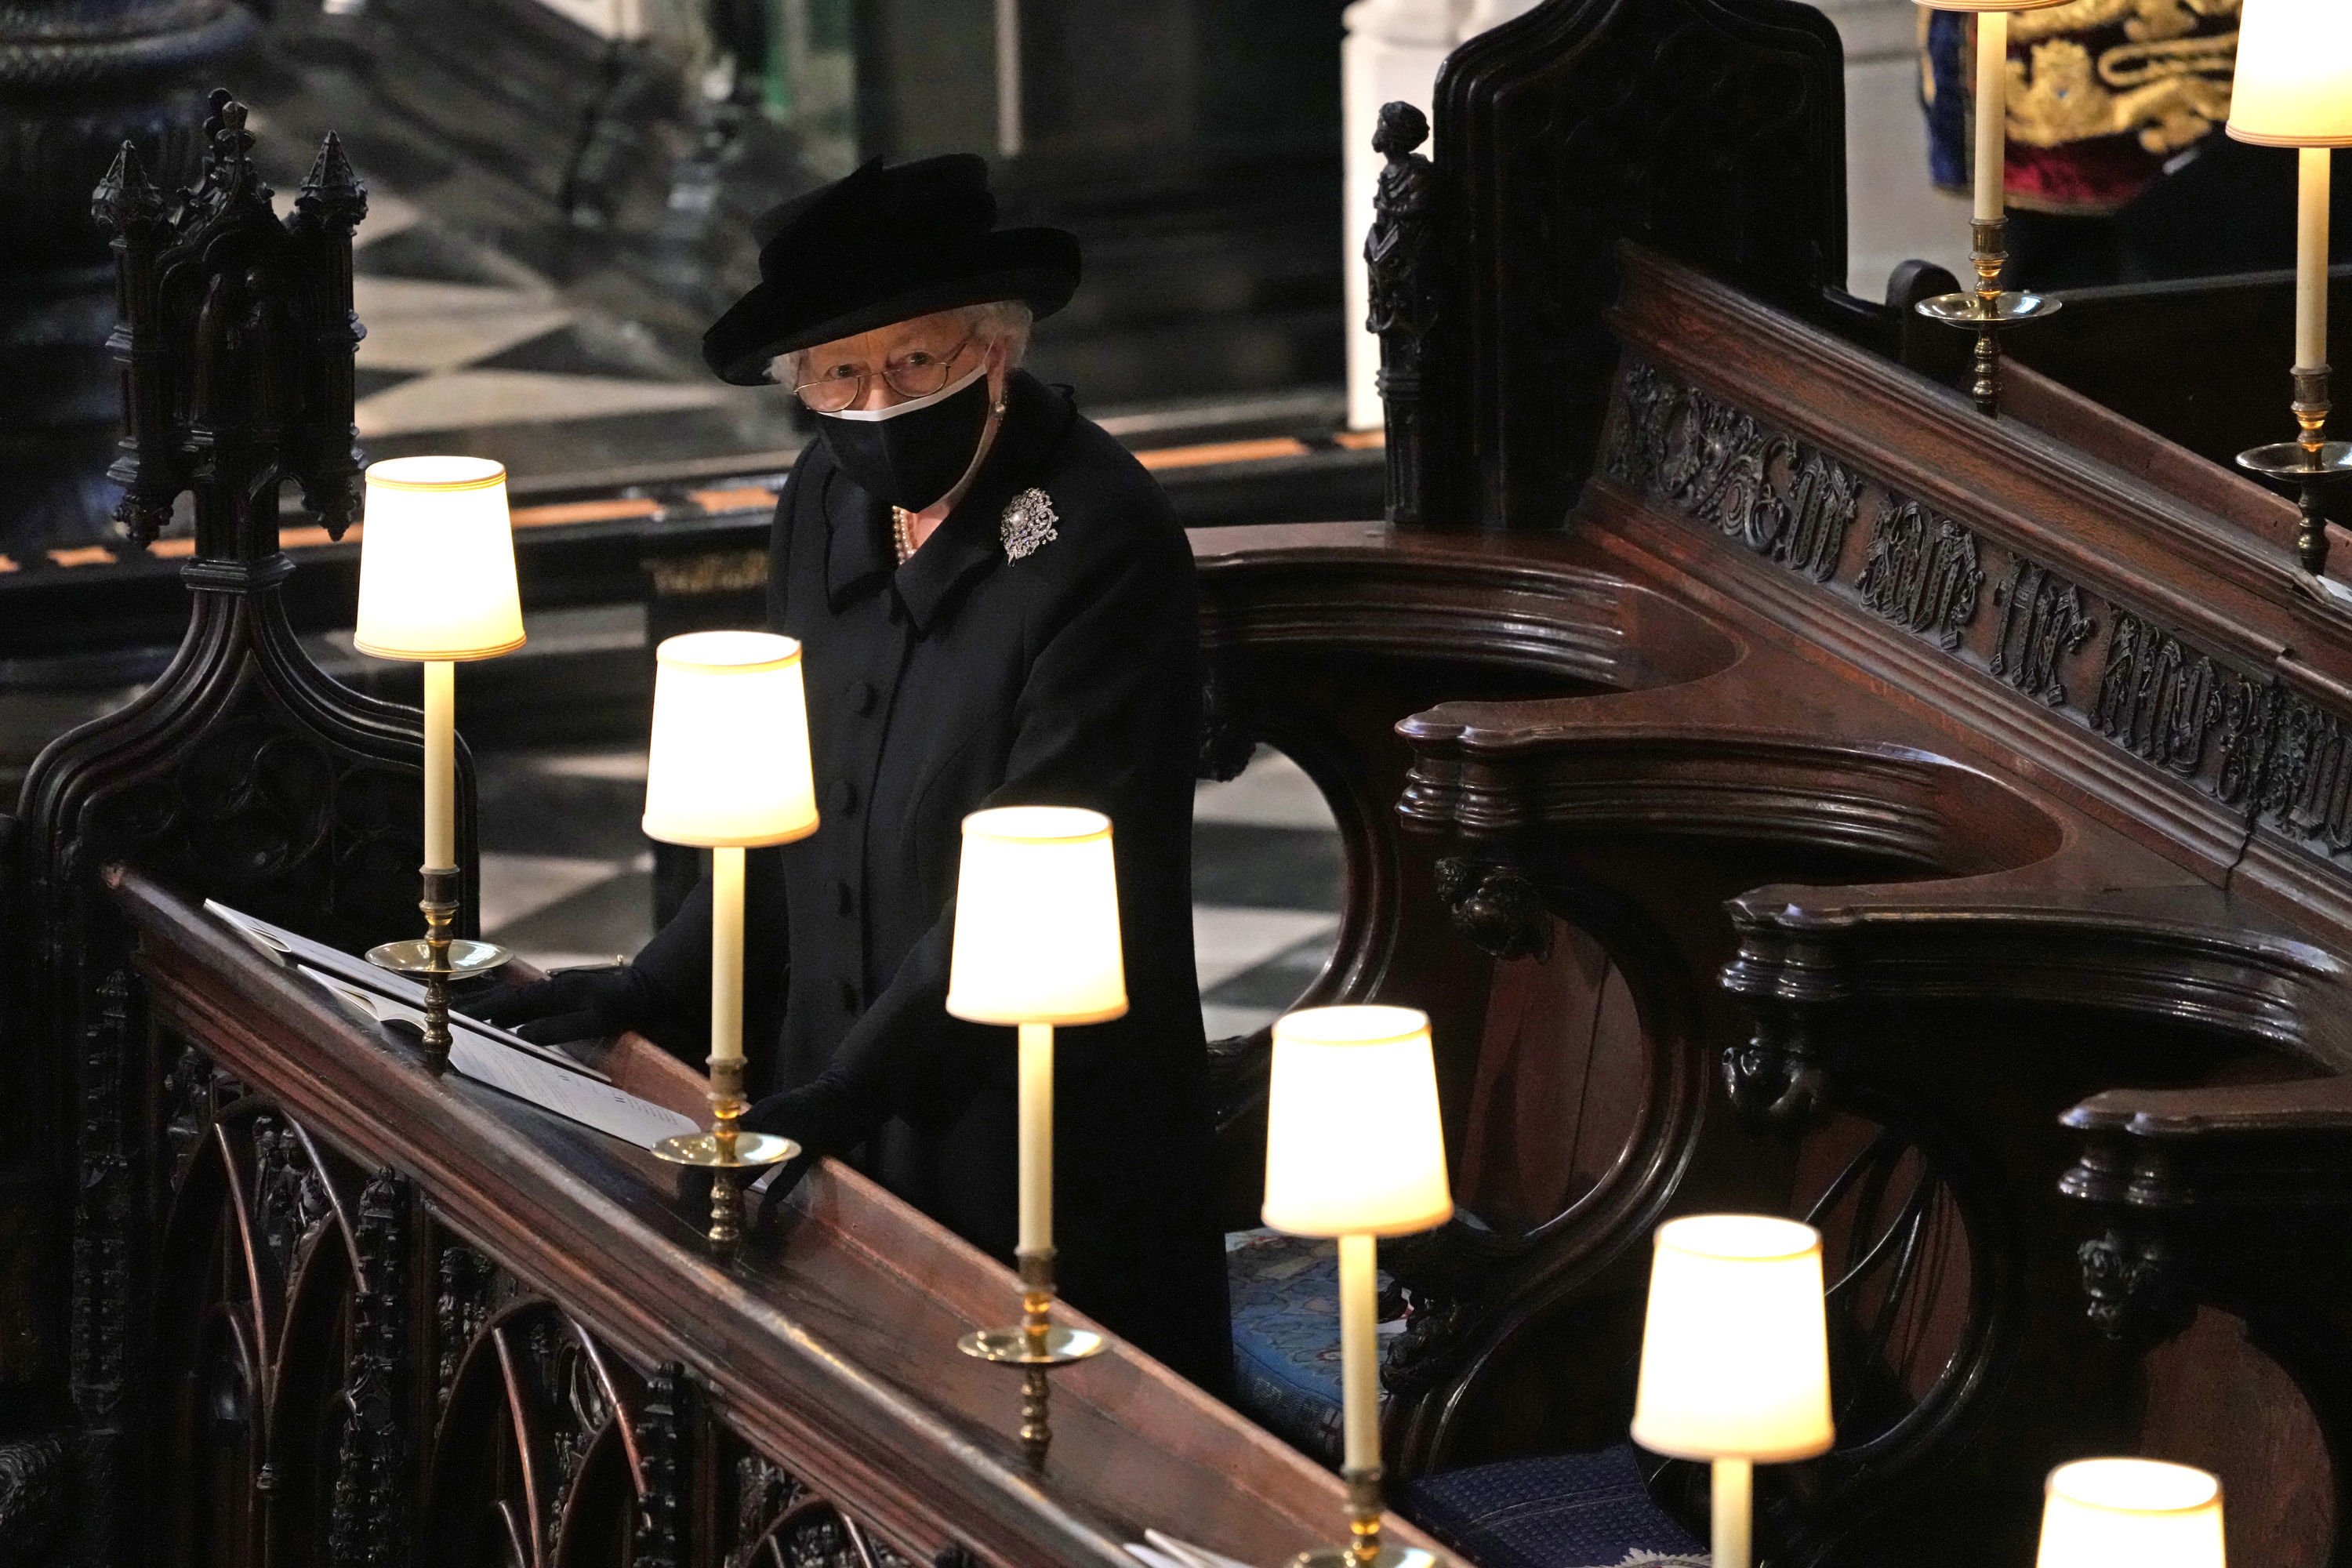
(343,1379)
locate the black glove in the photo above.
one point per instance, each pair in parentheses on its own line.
(570,1005)
(823,1118)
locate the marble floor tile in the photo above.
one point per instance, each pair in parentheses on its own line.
(1271,792)
(435,341)
(605,920)
(1228,942)
(567,874)
(387,215)
(516,887)
(465,398)
(1243,866)
(630,766)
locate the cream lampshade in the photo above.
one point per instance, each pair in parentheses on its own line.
(1735,1356)
(1353,1142)
(730,764)
(1036,921)
(2130,1513)
(2294,85)
(436,561)
(729,770)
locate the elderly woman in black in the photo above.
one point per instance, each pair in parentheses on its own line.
(998,608)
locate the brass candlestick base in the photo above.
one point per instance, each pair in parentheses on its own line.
(1987,310)
(726,1152)
(1364,1549)
(429,959)
(1036,1348)
(2310,463)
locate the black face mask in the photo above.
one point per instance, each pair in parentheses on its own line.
(911,455)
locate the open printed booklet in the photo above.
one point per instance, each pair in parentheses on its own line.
(480,1051)
(1158,1549)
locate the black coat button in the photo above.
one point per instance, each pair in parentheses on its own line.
(862,696)
(845,797)
(847,896)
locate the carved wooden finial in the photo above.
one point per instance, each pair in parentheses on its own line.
(332,196)
(240,373)
(227,180)
(126,196)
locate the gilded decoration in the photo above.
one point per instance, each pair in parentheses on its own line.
(2102,95)
(2170,94)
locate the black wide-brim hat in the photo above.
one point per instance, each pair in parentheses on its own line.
(883,244)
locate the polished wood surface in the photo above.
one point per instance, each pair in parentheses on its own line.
(827,1346)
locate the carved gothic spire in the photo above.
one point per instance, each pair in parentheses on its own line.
(332,198)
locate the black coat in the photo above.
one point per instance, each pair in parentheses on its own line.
(966,679)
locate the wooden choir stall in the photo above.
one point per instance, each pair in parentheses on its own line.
(1787,789)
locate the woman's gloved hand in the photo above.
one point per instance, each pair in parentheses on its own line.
(821,1117)
(570,1005)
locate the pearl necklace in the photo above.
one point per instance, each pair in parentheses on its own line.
(902,533)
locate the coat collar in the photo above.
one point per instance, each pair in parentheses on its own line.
(858,546)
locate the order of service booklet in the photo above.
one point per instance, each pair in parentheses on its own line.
(480,1051)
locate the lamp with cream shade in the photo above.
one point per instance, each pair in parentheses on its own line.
(1735,1357)
(729,770)
(1355,1150)
(2293,89)
(1989,308)
(1036,944)
(2131,1514)
(437,587)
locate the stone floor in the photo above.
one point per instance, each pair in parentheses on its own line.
(567,877)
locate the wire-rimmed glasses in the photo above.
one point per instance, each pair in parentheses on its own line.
(917,373)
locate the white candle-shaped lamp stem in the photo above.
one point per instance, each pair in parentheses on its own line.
(1036,1137)
(1733,1512)
(2311,258)
(1355,1149)
(1735,1356)
(1359,1350)
(1992,114)
(440,765)
(726,953)
(2291,87)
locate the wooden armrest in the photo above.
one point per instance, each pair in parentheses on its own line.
(2301,1105)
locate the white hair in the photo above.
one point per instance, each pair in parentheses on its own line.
(999,322)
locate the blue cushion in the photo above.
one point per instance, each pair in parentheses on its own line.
(1285,1302)
(1564,1510)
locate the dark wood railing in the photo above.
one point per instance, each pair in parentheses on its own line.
(402,1318)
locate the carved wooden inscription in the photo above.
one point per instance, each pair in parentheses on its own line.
(2233,732)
